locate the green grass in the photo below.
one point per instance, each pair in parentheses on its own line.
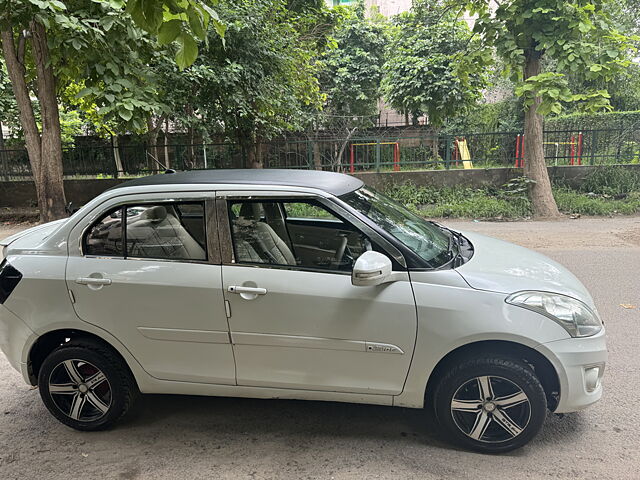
(571,201)
(507,202)
(612,181)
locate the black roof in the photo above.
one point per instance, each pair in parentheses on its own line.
(334,183)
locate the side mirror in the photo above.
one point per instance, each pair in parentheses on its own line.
(371,268)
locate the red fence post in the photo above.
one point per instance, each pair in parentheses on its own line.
(573,150)
(580,148)
(522,152)
(396,157)
(352,167)
(456,152)
(517,151)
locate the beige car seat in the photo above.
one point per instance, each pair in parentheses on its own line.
(269,247)
(157,233)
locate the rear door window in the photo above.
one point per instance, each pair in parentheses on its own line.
(105,237)
(167,231)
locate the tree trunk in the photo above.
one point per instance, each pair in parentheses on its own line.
(535,167)
(255,154)
(152,145)
(1,138)
(435,143)
(317,155)
(44,149)
(260,150)
(51,198)
(116,154)
(167,162)
(191,156)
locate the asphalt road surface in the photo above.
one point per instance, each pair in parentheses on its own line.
(197,437)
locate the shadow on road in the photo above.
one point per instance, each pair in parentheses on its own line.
(297,419)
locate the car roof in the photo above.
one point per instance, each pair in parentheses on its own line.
(330,182)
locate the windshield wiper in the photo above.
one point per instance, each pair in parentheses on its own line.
(455,238)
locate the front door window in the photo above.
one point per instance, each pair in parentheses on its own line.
(300,234)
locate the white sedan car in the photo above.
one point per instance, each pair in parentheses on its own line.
(293,284)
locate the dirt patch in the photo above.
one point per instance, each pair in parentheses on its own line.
(585,233)
(15,214)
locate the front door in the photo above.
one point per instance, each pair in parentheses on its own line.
(146,274)
(296,320)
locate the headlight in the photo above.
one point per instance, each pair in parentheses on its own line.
(576,317)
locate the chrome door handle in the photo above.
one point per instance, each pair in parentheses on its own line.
(93,281)
(249,290)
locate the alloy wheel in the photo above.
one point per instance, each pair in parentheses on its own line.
(80,390)
(490,409)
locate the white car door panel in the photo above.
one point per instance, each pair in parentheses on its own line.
(317,331)
(170,315)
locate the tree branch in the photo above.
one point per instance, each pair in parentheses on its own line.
(21,43)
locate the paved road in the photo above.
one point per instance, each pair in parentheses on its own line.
(192,437)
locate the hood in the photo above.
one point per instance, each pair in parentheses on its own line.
(32,237)
(503,267)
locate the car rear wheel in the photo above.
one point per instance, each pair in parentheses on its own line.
(86,386)
(491,405)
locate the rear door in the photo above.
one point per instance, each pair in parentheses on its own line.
(148,271)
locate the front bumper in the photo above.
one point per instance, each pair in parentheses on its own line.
(580,364)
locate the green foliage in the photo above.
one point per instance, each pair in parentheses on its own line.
(263,82)
(579,36)
(612,181)
(502,116)
(435,65)
(70,126)
(594,121)
(608,191)
(350,70)
(102,63)
(460,201)
(8,107)
(569,201)
(184,22)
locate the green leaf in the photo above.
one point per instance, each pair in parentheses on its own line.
(126,115)
(169,31)
(84,92)
(196,23)
(188,51)
(220,29)
(57,4)
(107,22)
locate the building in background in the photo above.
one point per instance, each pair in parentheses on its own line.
(387,8)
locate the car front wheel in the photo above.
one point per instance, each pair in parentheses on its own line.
(491,405)
(86,386)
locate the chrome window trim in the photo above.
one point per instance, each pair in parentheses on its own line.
(295,268)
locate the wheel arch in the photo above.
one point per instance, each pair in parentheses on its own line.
(49,341)
(542,367)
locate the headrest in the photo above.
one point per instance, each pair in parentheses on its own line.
(157,213)
(251,210)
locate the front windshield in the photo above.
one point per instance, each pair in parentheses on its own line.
(425,239)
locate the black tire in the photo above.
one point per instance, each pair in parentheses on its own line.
(96,407)
(475,423)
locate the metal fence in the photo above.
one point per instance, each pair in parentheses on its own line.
(354,154)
